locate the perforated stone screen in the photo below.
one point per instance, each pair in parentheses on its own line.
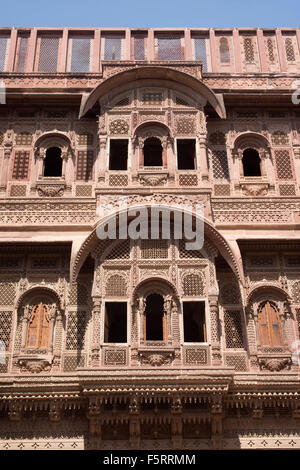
(200,52)
(81,52)
(116,286)
(48,54)
(113,47)
(283,164)
(193,285)
(152,249)
(4,40)
(169,48)
(233,329)
(220,164)
(85,160)
(76,330)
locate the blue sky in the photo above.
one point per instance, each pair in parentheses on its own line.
(151,13)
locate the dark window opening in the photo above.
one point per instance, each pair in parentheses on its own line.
(194,322)
(152,152)
(154,318)
(53,162)
(118,154)
(186,154)
(115,327)
(251,163)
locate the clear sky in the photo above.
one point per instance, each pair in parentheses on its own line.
(150,13)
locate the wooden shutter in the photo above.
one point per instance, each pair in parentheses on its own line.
(269,326)
(38,333)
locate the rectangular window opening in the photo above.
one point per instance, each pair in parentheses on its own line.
(169,47)
(113,47)
(139,42)
(4,42)
(118,154)
(115,326)
(48,55)
(186,154)
(194,322)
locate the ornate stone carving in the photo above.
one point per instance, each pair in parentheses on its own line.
(156,359)
(34,365)
(275,365)
(255,189)
(50,190)
(153,179)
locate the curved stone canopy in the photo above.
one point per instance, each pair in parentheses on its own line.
(212,234)
(135,74)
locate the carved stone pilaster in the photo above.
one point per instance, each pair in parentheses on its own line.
(96,314)
(93,415)
(215,330)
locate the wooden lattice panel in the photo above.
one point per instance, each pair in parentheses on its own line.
(21,165)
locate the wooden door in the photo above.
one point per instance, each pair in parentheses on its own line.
(38,332)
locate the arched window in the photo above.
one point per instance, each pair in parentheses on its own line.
(153,152)
(269,326)
(224,51)
(38,332)
(251,163)
(155,320)
(53,162)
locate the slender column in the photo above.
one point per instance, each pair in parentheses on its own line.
(12,50)
(29,66)
(187,45)
(215,330)
(262,51)
(281,51)
(7,153)
(213,49)
(127,44)
(203,157)
(95,65)
(151,45)
(237,50)
(96,315)
(25,320)
(62,62)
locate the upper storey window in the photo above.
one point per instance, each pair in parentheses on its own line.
(289,49)
(269,325)
(47,53)
(169,47)
(53,162)
(113,47)
(201,51)
(80,53)
(4,42)
(251,163)
(153,152)
(38,333)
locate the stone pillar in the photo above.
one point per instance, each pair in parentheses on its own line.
(217,421)
(25,320)
(96,319)
(7,153)
(262,51)
(281,51)
(237,50)
(57,341)
(215,330)
(203,156)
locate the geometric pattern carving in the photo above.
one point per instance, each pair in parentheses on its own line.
(21,165)
(76,330)
(115,357)
(217,138)
(119,126)
(80,61)
(222,189)
(116,286)
(4,40)
(237,361)
(121,251)
(270,50)
(185,126)
(193,285)
(195,356)
(296,292)
(187,254)
(188,180)
(48,54)
(7,293)
(230,294)
(5,327)
(78,295)
(283,164)
(220,164)
(249,50)
(1,138)
(154,249)
(289,49)
(152,98)
(85,160)
(118,180)
(85,139)
(24,139)
(84,190)
(287,190)
(233,329)
(71,362)
(279,138)
(18,190)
